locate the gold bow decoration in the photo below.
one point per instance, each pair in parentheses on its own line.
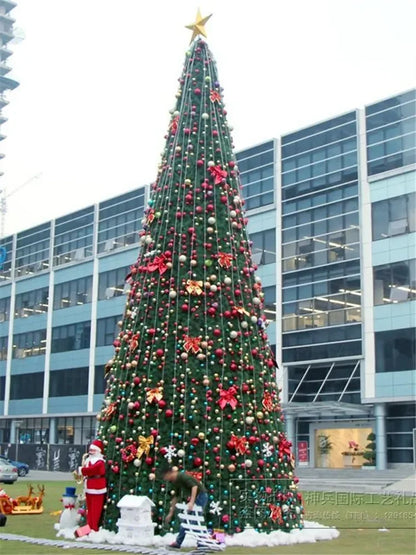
(110,410)
(241,310)
(145,443)
(194,287)
(134,342)
(154,394)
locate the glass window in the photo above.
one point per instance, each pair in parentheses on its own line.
(256,174)
(73,293)
(71,338)
(107,330)
(318,135)
(68,382)
(391,132)
(99,380)
(29,344)
(32,250)
(6,253)
(31,303)
(394,216)
(395,283)
(395,350)
(74,236)
(3,350)
(269,302)
(113,283)
(26,386)
(4,309)
(264,246)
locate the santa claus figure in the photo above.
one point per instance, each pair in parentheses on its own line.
(95,483)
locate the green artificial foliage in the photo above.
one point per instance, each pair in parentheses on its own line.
(324,444)
(193,379)
(370,450)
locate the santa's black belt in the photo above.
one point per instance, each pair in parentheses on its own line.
(97,476)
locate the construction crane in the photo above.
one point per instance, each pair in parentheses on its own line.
(3,200)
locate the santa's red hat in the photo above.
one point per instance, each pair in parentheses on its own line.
(97,444)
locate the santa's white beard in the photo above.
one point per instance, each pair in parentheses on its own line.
(94,458)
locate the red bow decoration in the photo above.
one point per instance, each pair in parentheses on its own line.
(227,397)
(267,402)
(150,216)
(174,125)
(225,259)
(159,263)
(217,173)
(240,444)
(214,96)
(69,506)
(284,446)
(275,513)
(191,344)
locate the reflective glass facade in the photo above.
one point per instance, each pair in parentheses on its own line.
(32,251)
(391,133)
(74,237)
(256,167)
(118,220)
(321,242)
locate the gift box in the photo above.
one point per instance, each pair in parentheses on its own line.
(82,531)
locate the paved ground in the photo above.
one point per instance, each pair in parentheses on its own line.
(397,480)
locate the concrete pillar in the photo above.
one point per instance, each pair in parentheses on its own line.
(380,431)
(291,429)
(13,435)
(52,430)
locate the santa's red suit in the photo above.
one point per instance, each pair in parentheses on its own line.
(95,483)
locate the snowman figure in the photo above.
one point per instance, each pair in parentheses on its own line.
(70,516)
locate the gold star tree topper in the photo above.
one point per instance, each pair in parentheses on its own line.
(198,27)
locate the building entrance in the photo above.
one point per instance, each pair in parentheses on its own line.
(340,447)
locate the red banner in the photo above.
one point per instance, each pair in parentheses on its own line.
(303,458)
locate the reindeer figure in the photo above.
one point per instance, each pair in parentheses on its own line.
(25,499)
(36,502)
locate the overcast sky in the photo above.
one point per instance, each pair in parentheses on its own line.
(98,78)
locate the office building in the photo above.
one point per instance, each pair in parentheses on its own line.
(332,219)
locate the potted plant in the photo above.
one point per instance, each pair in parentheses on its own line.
(350,456)
(370,452)
(324,447)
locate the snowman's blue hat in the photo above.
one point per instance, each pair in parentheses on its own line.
(70,492)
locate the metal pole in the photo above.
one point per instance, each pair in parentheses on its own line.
(381,444)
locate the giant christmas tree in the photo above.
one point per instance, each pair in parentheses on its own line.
(193,379)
